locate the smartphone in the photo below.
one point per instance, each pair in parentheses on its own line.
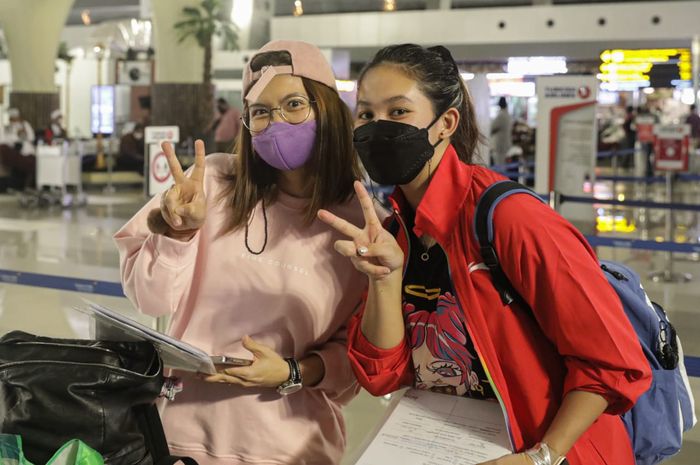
(230,361)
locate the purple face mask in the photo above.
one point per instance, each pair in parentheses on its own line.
(286,146)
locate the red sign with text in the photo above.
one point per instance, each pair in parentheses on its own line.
(645,128)
(672,147)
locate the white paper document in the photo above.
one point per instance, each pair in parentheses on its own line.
(427,428)
(175,353)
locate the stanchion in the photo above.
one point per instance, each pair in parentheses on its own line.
(109,188)
(695,162)
(695,166)
(695,229)
(615,175)
(668,275)
(641,190)
(555,200)
(615,166)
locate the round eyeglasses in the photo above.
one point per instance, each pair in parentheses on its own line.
(294,110)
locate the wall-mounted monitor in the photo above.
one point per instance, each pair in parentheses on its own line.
(102,102)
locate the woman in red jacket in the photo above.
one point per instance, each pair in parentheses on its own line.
(563,371)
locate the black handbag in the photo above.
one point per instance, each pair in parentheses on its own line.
(101,392)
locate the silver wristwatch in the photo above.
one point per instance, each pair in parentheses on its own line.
(294,383)
(542,454)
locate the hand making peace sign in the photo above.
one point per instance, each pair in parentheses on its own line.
(373,250)
(184,205)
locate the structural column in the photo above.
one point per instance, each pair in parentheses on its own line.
(252,20)
(32,29)
(177,88)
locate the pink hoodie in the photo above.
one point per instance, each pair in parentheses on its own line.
(295,297)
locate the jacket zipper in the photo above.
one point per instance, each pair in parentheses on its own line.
(476,346)
(481,358)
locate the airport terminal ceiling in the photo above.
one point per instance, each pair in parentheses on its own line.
(114,10)
(285,7)
(102,10)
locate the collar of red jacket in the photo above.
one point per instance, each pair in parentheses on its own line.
(438,211)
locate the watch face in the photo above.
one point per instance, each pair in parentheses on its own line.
(289,389)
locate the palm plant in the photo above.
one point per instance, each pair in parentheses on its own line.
(3,46)
(202,24)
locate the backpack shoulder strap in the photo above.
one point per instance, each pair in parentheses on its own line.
(484,233)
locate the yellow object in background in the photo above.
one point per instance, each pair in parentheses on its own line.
(608,223)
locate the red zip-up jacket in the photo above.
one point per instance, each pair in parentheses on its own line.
(579,338)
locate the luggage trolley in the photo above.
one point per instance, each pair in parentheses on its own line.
(58,167)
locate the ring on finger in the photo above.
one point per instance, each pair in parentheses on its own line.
(361,251)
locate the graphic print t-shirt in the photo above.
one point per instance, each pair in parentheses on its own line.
(444,357)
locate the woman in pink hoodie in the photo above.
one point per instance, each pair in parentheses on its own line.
(234,253)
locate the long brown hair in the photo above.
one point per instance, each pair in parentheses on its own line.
(332,168)
(439,79)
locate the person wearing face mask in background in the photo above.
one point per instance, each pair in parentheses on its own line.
(19,133)
(17,150)
(564,366)
(235,254)
(56,130)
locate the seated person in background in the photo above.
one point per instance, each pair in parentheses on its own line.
(55,129)
(17,151)
(131,150)
(19,133)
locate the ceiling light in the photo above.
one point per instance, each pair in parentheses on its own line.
(344,85)
(504,76)
(85,16)
(513,89)
(533,66)
(389,5)
(688,96)
(298,8)
(242,13)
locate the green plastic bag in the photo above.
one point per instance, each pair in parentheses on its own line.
(74,452)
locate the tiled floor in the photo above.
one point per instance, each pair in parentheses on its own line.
(77,243)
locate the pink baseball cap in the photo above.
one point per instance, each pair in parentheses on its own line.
(307,61)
